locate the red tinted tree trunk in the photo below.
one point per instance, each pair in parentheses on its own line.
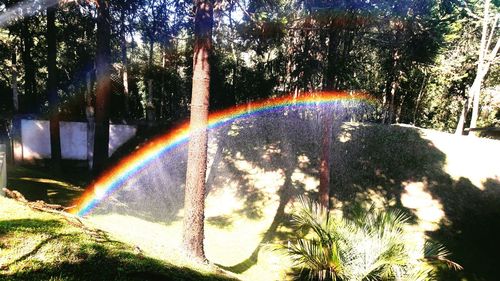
(15,93)
(103,86)
(324,169)
(194,206)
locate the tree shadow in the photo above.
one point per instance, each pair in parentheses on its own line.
(76,256)
(471,229)
(394,167)
(398,167)
(41,183)
(266,159)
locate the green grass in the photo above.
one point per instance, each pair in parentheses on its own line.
(43,183)
(448,185)
(41,246)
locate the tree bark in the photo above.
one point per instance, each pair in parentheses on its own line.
(419,98)
(461,121)
(193,232)
(126,95)
(324,169)
(89,113)
(55,140)
(15,91)
(29,69)
(486,57)
(393,87)
(103,86)
(150,107)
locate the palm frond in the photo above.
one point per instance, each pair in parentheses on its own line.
(436,254)
(373,245)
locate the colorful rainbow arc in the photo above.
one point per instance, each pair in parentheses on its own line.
(113,179)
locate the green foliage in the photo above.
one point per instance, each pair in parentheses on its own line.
(423,50)
(372,245)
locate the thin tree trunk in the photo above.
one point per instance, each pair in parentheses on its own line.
(324,169)
(330,75)
(103,86)
(461,121)
(485,59)
(394,86)
(126,95)
(55,139)
(391,104)
(29,70)
(15,91)
(193,231)
(419,98)
(150,107)
(475,94)
(89,112)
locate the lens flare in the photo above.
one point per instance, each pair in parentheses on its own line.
(24,9)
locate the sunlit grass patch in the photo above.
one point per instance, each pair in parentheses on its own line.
(230,248)
(41,246)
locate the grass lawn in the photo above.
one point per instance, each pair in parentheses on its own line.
(449,185)
(42,183)
(41,246)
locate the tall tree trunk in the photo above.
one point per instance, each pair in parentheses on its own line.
(150,107)
(400,109)
(419,98)
(29,69)
(126,95)
(15,90)
(330,75)
(324,169)
(329,82)
(89,113)
(194,204)
(393,87)
(463,115)
(103,86)
(475,93)
(55,140)
(486,57)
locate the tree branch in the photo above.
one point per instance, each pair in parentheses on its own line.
(492,32)
(250,16)
(469,11)
(493,54)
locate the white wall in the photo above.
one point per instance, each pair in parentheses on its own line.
(35,139)
(73,140)
(118,135)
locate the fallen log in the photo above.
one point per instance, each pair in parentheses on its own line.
(56,209)
(14,194)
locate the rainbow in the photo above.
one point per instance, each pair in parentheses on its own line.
(113,179)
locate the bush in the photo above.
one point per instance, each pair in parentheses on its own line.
(372,245)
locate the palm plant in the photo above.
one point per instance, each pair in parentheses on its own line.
(373,245)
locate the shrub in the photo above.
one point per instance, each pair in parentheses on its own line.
(372,245)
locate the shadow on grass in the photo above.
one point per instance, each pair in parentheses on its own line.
(76,256)
(371,164)
(42,183)
(375,164)
(472,229)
